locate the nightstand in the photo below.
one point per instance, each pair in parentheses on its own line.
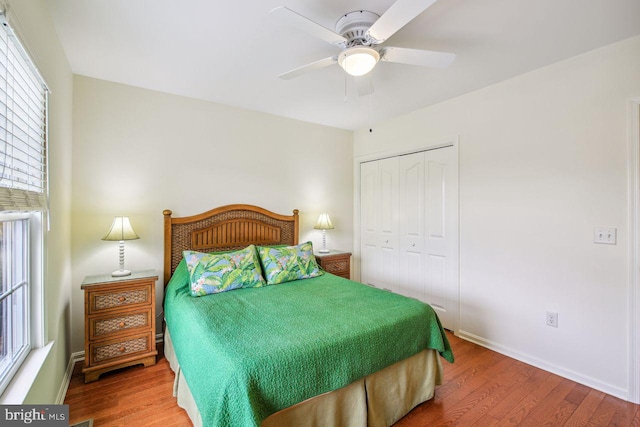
(335,262)
(119,322)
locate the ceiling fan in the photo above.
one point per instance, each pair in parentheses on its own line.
(359,35)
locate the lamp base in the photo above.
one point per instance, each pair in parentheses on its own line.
(324,251)
(120,273)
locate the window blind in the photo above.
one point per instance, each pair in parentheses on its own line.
(23,128)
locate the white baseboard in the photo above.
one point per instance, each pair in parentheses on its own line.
(62,393)
(75,358)
(546,366)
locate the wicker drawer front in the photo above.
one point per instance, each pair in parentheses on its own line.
(336,263)
(102,327)
(337,267)
(102,301)
(105,352)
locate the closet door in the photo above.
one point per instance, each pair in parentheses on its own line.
(412,274)
(369,253)
(388,222)
(379,223)
(409,228)
(441,234)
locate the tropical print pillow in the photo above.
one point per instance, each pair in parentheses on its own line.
(284,264)
(219,272)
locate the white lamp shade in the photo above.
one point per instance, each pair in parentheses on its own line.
(324,222)
(358,60)
(121,230)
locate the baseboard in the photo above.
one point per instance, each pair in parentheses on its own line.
(546,366)
(62,393)
(75,358)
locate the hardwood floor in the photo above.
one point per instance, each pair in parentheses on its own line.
(482,388)
(130,397)
(485,388)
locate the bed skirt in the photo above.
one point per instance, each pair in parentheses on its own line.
(378,400)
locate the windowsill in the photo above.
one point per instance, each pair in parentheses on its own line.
(22,382)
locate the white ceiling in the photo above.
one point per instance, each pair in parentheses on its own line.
(231,52)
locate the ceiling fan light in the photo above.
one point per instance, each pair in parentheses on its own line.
(358,60)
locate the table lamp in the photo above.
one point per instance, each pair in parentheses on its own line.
(324,224)
(120,231)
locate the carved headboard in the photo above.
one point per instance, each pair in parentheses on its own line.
(225,228)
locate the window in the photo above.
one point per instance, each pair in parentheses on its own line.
(14,292)
(23,203)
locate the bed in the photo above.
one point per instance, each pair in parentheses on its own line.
(318,351)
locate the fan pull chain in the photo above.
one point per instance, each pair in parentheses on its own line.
(345,88)
(370,102)
(370,113)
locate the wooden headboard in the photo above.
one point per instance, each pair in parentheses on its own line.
(225,228)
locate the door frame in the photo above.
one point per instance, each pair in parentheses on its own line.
(634,249)
(452,141)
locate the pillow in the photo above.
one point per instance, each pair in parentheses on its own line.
(219,272)
(284,264)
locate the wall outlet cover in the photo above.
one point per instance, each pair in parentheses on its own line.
(605,235)
(552,319)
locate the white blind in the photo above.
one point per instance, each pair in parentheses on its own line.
(23,128)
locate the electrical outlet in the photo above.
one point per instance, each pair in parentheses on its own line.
(552,319)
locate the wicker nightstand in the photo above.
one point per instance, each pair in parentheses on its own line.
(120,322)
(335,262)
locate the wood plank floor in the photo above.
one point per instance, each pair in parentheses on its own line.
(482,388)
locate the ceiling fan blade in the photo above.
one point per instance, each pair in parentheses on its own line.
(309,67)
(364,85)
(396,17)
(302,23)
(422,58)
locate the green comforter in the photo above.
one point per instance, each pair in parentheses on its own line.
(249,353)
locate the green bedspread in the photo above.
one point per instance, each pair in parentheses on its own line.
(248,353)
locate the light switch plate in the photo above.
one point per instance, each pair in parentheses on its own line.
(605,235)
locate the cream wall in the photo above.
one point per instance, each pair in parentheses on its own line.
(542,161)
(31,20)
(137,152)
